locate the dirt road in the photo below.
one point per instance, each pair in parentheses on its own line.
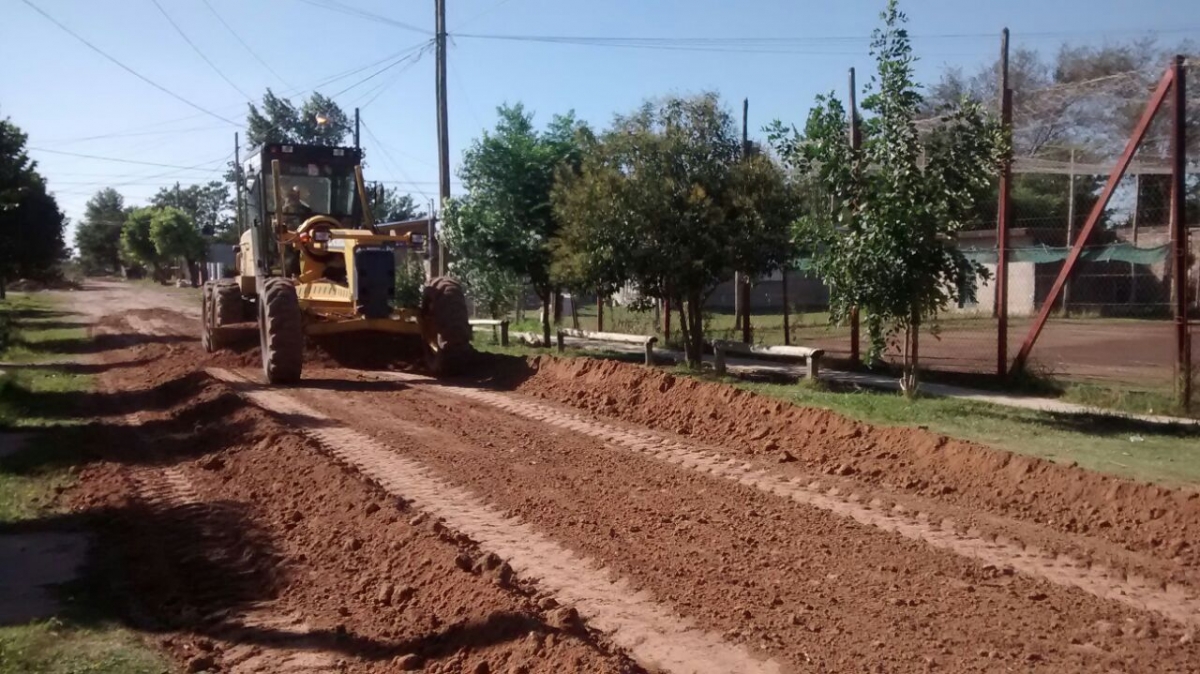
(552,516)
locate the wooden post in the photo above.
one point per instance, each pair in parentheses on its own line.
(599,312)
(667,318)
(504,333)
(650,351)
(1137,206)
(855,144)
(787,332)
(1179,234)
(743,288)
(718,359)
(561,343)
(1066,294)
(1005,213)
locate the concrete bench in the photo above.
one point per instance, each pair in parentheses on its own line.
(647,343)
(492,323)
(810,356)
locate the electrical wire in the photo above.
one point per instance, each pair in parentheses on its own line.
(485,12)
(416,54)
(126,68)
(111,159)
(200,52)
(334,6)
(378,91)
(245,45)
(392,162)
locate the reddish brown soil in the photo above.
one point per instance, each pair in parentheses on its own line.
(803,586)
(217,523)
(267,526)
(1161,522)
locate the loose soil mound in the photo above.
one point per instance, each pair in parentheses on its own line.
(1140,517)
(221,529)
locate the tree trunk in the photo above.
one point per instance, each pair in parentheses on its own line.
(574,312)
(910,373)
(546,319)
(558,306)
(691,322)
(3,287)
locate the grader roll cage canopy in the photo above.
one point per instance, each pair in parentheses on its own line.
(311,262)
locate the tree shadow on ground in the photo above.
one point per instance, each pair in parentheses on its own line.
(76,368)
(97,343)
(1099,425)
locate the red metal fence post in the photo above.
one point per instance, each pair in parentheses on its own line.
(1156,100)
(1179,233)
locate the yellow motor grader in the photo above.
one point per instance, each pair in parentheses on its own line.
(312,262)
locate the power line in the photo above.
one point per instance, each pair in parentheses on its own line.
(394,164)
(244,44)
(335,6)
(416,54)
(198,51)
(485,12)
(378,91)
(775,44)
(111,159)
(126,68)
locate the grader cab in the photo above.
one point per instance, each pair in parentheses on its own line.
(311,262)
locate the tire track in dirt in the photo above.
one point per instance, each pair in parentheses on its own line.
(1170,600)
(170,491)
(648,631)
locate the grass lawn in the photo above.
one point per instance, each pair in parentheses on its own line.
(34,401)
(1168,455)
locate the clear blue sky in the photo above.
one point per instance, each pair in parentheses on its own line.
(59,90)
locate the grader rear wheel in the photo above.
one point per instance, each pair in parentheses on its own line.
(281,332)
(448,330)
(206,314)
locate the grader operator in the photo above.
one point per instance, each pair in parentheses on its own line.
(316,265)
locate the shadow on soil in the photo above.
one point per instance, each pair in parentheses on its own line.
(98,343)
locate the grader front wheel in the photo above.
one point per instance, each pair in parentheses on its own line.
(281,332)
(445,326)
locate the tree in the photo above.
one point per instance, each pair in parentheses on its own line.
(137,248)
(31,224)
(175,236)
(667,201)
(210,206)
(319,121)
(503,227)
(389,205)
(888,247)
(98,236)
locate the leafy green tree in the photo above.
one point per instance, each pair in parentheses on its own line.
(175,236)
(31,224)
(504,225)
(667,201)
(210,206)
(389,205)
(888,246)
(98,236)
(318,121)
(137,248)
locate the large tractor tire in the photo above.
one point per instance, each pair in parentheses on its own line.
(444,306)
(281,332)
(227,303)
(206,318)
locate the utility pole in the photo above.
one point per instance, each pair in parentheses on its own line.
(237,183)
(356,125)
(1005,214)
(1066,293)
(743,287)
(443,125)
(855,144)
(1179,233)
